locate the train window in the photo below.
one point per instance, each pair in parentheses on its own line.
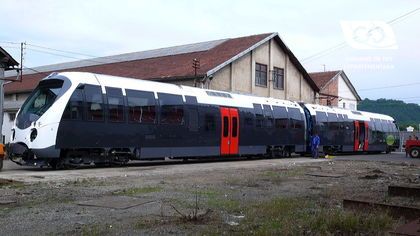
(248,115)
(332,121)
(371,124)
(259,116)
(74,108)
(190,100)
(394,127)
(385,126)
(341,121)
(94,102)
(346,118)
(225,126)
(347,122)
(115,104)
(268,115)
(234,127)
(280,117)
(141,106)
(321,117)
(378,125)
(296,120)
(210,122)
(171,109)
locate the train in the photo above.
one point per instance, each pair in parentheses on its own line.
(80,118)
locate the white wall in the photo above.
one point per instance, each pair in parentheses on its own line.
(12,103)
(7,127)
(347,99)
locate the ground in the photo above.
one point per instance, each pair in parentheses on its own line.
(258,196)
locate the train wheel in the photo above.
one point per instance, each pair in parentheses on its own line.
(415,152)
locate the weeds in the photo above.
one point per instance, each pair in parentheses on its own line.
(139,190)
(286,216)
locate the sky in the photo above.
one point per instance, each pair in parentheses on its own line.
(372,41)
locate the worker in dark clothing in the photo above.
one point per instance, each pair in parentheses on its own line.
(315,141)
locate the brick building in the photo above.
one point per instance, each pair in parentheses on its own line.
(336,89)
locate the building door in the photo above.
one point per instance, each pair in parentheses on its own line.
(229,141)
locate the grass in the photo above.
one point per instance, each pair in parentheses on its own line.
(139,190)
(94,230)
(287,216)
(11,184)
(277,175)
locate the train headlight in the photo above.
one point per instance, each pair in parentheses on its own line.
(34,133)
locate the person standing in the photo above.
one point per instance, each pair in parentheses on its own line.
(315,141)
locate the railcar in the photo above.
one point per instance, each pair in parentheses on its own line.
(345,131)
(76,118)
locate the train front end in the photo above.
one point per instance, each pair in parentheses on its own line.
(35,129)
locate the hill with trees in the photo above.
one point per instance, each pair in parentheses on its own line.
(405,114)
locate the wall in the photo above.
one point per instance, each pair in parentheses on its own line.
(347,98)
(12,103)
(330,88)
(239,76)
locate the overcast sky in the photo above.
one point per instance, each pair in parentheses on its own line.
(102,28)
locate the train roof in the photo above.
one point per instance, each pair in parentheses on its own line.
(354,115)
(205,96)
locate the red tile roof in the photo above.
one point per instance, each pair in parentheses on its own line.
(177,66)
(322,78)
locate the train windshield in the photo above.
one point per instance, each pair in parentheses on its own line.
(39,102)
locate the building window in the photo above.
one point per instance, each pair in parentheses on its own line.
(260,74)
(278,78)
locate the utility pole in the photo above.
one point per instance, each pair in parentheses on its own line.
(195,66)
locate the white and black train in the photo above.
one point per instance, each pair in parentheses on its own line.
(75,118)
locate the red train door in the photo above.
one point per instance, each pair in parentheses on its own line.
(234,138)
(366,144)
(356,135)
(229,140)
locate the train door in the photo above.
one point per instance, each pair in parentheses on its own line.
(229,140)
(361,138)
(366,140)
(356,135)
